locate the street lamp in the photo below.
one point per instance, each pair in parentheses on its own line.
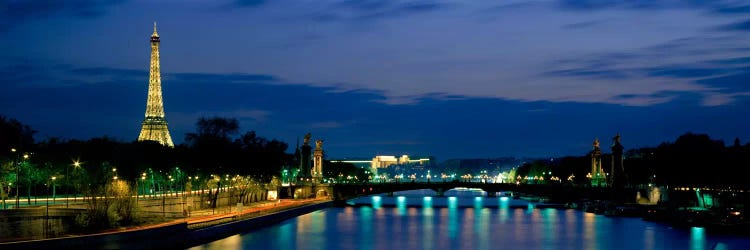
(53,188)
(76,164)
(143,180)
(18,175)
(15,161)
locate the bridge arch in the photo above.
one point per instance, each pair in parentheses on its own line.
(554,192)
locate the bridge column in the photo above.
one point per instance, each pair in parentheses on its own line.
(440,192)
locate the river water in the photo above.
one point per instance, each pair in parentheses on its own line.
(463,220)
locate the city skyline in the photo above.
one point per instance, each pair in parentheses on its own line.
(442,78)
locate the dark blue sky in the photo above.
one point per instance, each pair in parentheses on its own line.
(443,78)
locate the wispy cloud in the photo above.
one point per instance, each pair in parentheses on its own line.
(736,26)
(187,119)
(719,99)
(228,77)
(248,3)
(15,12)
(326,125)
(581,25)
(593,5)
(370,10)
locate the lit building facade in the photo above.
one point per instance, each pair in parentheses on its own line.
(390,162)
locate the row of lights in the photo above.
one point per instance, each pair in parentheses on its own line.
(708,189)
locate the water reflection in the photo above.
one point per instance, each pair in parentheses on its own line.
(427,201)
(376,202)
(461,222)
(427,224)
(231,242)
(589,231)
(365,225)
(503,202)
(401,205)
(649,242)
(550,221)
(697,238)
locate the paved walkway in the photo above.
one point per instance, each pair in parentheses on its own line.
(229,213)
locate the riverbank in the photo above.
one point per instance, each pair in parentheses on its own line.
(180,233)
(718,220)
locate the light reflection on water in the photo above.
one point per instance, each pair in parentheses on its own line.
(446,224)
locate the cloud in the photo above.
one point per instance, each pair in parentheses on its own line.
(248,3)
(733,9)
(735,61)
(16,12)
(737,26)
(686,72)
(370,10)
(591,5)
(226,77)
(255,115)
(720,99)
(589,72)
(326,125)
(512,6)
(440,50)
(581,25)
(105,71)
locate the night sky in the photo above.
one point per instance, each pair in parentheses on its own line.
(444,78)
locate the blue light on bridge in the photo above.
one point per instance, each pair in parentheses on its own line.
(504,202)
(376,202)
(478,203)
(401,205)
(427,202)
(452,203)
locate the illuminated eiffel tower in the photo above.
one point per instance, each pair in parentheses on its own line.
(155,126)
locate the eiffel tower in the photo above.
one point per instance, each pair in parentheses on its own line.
(155,126)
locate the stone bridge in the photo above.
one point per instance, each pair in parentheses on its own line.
(553,192)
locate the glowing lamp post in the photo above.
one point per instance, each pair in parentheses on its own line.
(53,188)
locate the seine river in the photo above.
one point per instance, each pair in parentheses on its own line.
(416,220)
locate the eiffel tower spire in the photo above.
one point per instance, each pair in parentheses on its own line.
(154,125)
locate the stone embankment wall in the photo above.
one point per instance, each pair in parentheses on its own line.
(171,236)
(55,221)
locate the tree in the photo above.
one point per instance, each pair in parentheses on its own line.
(335,170)
(14,134)
(212,144)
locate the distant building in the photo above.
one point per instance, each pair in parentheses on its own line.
(383,161)
(386,161)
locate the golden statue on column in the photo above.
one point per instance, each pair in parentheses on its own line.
(317,170)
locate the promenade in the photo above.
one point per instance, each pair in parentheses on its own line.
(196,221)
(209,217)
